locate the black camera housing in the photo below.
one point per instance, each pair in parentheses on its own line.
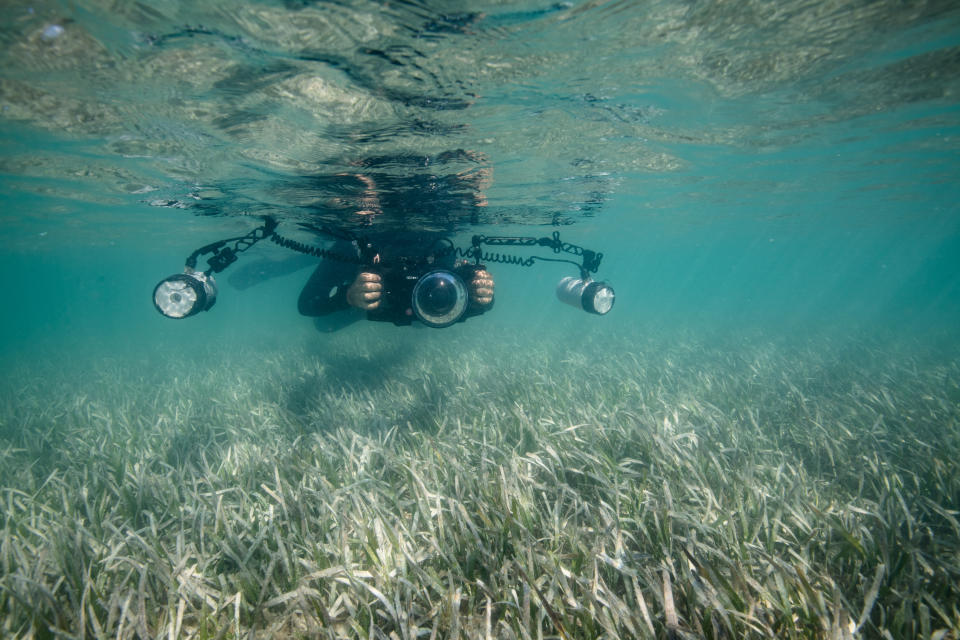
(400,282)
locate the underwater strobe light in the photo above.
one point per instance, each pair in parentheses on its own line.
(185,294)
(584,293)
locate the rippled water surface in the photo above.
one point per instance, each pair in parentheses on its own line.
(538,112)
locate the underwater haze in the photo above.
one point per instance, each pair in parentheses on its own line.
(760,439)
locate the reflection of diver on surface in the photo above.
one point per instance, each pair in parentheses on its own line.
(444,191)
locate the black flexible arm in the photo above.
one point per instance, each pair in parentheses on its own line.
(223,256)
(590,263)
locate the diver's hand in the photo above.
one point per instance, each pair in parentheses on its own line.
(365,291)
(481,288)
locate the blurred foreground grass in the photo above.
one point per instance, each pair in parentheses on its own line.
(400,485)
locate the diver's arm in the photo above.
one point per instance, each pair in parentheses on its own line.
(325,292)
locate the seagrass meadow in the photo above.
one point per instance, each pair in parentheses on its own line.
(374,486)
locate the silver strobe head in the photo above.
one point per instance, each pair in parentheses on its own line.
(185,294)
(589,295)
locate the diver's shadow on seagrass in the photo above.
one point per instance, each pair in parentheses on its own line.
(343,375)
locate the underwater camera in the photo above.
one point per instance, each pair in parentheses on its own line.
(436,297)
(412,289)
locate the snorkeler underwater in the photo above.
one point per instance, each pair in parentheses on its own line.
(486,319)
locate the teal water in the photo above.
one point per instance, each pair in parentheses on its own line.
(790,167)
(755,173)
